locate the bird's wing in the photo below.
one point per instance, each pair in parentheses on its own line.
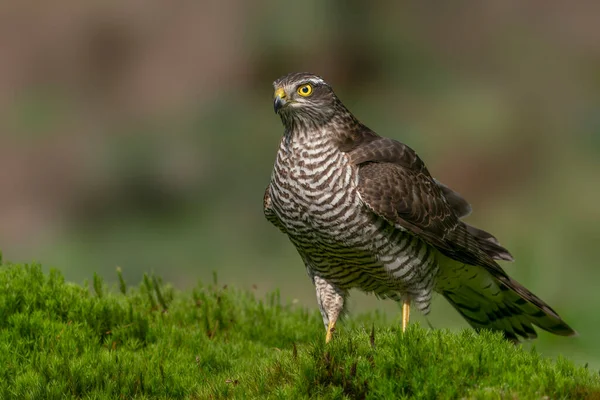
(395,184)
(461,207)
(269,212)
(486,240)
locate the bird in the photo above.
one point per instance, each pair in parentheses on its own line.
(364,213)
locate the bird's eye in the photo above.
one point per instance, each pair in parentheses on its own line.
(305,90)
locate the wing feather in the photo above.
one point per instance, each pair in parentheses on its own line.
(269,212)
(395,184)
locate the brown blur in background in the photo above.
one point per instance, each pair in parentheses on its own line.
(141,134)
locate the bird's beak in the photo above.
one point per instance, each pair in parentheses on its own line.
(279,99)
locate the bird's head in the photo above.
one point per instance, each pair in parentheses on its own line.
(303,99)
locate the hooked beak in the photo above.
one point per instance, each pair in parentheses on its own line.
(279,100)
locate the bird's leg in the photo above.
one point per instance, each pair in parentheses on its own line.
(405,312)
(330,330)
(331,304)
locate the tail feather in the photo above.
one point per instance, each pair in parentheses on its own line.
(534,308)
(502,304)
(485,314)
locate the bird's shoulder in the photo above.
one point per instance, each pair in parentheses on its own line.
(363,146)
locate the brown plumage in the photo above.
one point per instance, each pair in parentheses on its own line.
(364,212)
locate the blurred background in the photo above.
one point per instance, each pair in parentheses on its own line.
(141,134)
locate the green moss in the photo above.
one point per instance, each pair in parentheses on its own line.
(59,339)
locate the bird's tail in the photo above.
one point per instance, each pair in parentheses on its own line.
(502,304)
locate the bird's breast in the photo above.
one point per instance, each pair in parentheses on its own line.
(314,189)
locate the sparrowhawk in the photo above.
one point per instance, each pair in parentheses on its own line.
(364,212)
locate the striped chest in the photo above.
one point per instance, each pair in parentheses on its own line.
(314,188)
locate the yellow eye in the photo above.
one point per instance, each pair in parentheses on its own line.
(305,90)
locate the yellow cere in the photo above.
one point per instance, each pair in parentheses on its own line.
(305,90)
(280,93)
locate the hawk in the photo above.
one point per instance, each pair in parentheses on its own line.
(364,212)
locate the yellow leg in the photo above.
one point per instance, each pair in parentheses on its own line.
(405,313)
(330,330)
